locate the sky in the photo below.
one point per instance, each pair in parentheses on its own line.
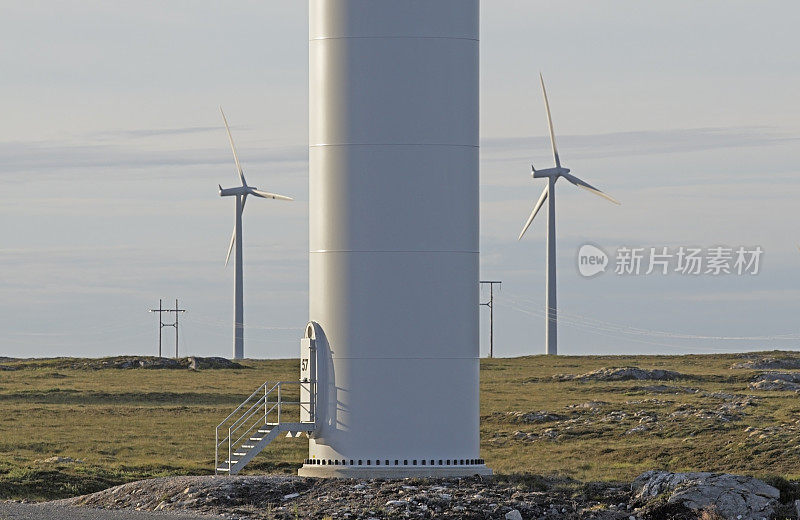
(112,146)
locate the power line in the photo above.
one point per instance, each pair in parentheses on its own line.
(213,322)
(639,335)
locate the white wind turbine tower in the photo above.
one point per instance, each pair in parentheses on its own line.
(552,175)
(241,193)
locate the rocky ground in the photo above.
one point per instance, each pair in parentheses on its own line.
(776,381)
(768,363)
(653,495)
(640,415)
(124,362)
(578,420)
(623,374)
(673,404)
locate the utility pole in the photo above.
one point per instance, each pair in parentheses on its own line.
(490,304)
(161,324)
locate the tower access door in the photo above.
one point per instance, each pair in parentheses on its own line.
(274,408)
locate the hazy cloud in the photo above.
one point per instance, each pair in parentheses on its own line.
(156,132)
(645,142)
(44,156)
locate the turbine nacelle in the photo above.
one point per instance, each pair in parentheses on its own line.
(556,172)
(241,191)
(250,190)
(548,172)
(228,192)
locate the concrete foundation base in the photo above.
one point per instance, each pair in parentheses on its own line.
(392,471)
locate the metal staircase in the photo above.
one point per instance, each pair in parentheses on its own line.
(260,419)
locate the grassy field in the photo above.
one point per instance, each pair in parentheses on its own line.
(127,424)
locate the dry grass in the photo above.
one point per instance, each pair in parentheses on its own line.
(131,424)
(603,451)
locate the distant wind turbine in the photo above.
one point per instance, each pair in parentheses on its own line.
(552,175)
(241,193)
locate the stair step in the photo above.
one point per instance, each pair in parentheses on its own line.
(265,431)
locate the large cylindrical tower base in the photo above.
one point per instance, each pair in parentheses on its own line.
(467,470)
(393,237)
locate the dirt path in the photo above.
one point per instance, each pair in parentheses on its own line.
(54,511)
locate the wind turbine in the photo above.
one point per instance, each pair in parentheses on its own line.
(549,194)
(241,193)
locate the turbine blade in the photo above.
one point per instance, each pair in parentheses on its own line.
(536,209)
(233,149)
(267,195)
(550,123)
(233,235)
(588,187)
(230,247)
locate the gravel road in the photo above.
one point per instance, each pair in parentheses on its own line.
(50,511)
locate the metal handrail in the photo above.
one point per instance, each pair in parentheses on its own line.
(247,416)
(243,403)
(250,410)
(232,428)
(246,433)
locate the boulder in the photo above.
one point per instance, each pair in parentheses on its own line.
(157,363)
(589,405)
(58,460)
(732,496)
(127,363)
(776,381)
(769,363)
(533,417)
(622,374)
(203,363)
(668,389)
